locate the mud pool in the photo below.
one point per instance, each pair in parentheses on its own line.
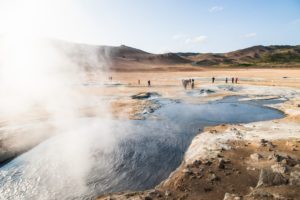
(141,154)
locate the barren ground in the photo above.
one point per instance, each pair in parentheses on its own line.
(221,162)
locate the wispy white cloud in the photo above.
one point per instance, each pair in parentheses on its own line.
(216,9)
(250,35)
(196,40)
(295,22)
(179,36)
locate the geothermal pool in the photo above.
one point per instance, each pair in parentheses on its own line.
(134,155)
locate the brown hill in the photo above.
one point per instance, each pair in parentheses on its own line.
(125,58)
(115,57)
(252,56)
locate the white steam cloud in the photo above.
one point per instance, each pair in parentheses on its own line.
(39,84)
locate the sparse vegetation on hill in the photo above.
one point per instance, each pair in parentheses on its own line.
(252,56)
(128,58)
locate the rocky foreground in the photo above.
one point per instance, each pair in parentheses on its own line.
(233,162)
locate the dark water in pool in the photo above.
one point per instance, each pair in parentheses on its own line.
(148,152)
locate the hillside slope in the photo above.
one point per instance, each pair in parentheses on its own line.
(252,56)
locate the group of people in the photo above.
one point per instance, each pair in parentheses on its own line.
(233,80)
(139,81)
(191,82)
(149,82)
(187,82)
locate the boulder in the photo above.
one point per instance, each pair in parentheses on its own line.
(145,95)
(269,178)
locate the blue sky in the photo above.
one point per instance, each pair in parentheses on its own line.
(164,25)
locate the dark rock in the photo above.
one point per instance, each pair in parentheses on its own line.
(207,189)
(145,95)
(207,162)
(221,164)
(206,91)
(263,141)
(197,163)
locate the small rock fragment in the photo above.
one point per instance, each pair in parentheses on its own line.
(207,162)
(279,168)
(250,168)
(197,163)
(255,156)
(295,178)
(260,195)
(270,178)
(147,198)
(207,189)
(269,144)
(229,196)
(221,164)
(263,142)
(187,171)
(168,193)
(212,177)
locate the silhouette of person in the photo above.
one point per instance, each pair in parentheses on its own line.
(236,80)
(226,80)
(213,79)
(149,83)
(232,80)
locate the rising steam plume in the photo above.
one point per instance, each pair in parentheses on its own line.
(41,96)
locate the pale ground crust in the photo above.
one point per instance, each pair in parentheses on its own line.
(200,175)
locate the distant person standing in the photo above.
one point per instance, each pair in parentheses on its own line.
(149,83)
(226,80)
(185,83)
(139,82)
(232,80)
(213,79)
(236,80)
(193,84)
